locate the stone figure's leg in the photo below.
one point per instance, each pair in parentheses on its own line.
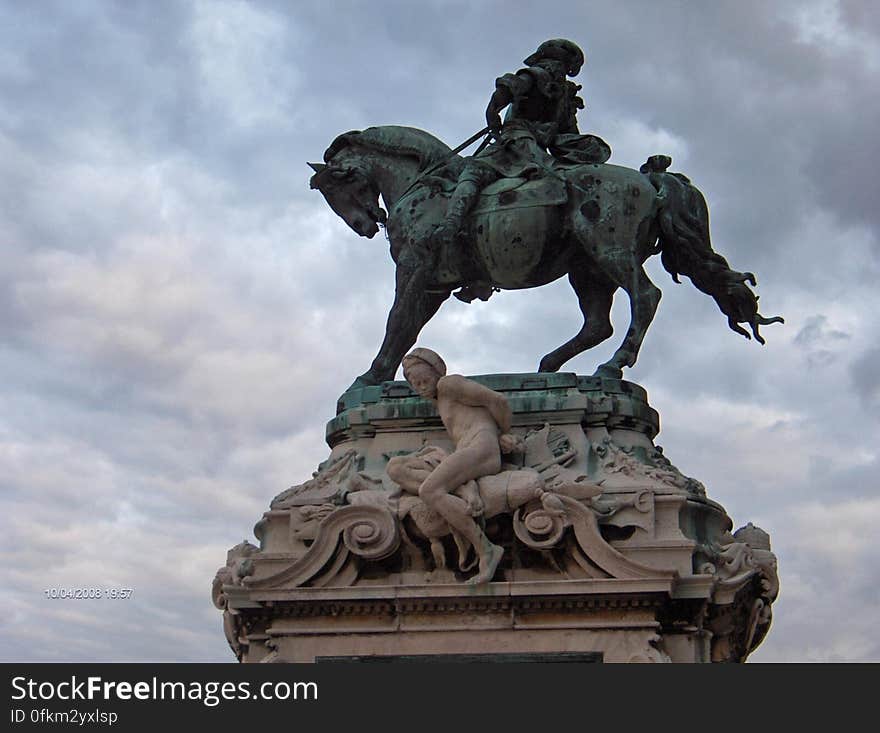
(595,293)
(438,553)
(463,547)
(464,465)
(413,307)
(408,472)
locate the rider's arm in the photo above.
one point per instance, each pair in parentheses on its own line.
(507,88)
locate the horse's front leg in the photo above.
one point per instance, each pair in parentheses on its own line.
(413,307)
(595,293)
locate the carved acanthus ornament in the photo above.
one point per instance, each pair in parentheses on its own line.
(238,566)
(621,467)
(746,572)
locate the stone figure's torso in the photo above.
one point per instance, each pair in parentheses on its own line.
(465,424)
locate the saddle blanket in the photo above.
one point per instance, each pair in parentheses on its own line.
(520,193)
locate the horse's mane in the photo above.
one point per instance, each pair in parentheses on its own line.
(396,140)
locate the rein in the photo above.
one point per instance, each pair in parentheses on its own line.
(487,131)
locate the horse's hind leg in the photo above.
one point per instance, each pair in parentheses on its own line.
(617,230)
(644,297)
(595,293)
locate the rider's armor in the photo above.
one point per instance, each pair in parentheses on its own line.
(542,116)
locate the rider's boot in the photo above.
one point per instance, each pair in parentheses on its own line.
(462,201)
(460,204)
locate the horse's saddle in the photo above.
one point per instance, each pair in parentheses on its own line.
(521,193)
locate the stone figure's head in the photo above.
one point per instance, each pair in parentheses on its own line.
(422,368)
(558,49)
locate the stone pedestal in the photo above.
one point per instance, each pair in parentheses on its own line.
(350,566)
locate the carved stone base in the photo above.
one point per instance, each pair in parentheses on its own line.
(609,551)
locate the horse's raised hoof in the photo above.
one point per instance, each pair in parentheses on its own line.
(606,371)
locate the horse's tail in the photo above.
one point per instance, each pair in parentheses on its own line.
(686,248)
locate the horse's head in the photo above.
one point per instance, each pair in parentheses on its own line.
(352,195)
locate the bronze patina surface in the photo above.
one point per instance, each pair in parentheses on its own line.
(538,201)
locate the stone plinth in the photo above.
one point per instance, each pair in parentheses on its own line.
(647,570)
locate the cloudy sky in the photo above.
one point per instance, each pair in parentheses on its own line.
(180,312)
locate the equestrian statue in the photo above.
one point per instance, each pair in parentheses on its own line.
(537,200)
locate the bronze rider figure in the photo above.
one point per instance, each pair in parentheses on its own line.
(542,117)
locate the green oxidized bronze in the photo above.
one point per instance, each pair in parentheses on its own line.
(536,202)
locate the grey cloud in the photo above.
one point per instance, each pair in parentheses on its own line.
(180,312)
(821,343)
(865,373)
(815,331)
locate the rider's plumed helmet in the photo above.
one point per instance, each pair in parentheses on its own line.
(562,50)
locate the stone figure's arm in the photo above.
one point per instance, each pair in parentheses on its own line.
(468,392)
(507,88)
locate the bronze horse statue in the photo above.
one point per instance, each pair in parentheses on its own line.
(597,223)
